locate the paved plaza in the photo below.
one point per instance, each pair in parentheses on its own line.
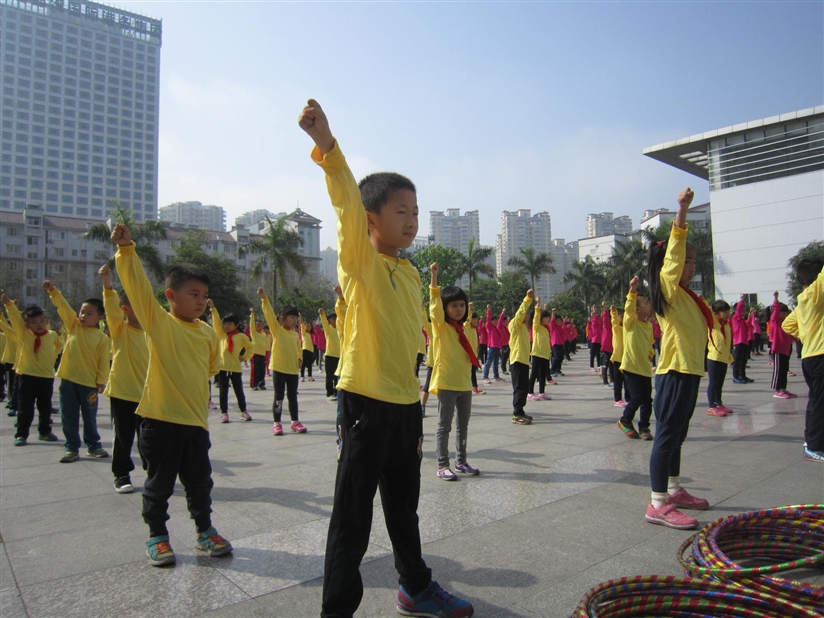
(558,507)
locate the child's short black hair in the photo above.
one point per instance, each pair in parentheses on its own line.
(475,315)
(231,317)
(289,310)
(720,305)
(124,299)
(807,270)
(97,304)
(332,316)
(180,274)
(545,314)
(33,311)
(451,294)
(376,188)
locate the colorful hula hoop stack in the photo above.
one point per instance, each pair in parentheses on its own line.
(717,586)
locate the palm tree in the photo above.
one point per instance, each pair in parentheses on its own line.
(701,240)
(279,248)
(587,280)
(532,264)
(474,263)
(144,235)
(628,259)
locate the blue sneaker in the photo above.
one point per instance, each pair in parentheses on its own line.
(813,455)
(434,602)
(739,381)
(159,551)
(210,541)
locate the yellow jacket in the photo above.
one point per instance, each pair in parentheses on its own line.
(88,350)
(807,321)
(519,335)
(636,341)
(453,369)
(130,353)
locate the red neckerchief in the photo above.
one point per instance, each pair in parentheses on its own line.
(37,341)
(465,342)
(704,308)
(231,344)
(723,324)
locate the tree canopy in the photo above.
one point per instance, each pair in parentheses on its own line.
(814,250)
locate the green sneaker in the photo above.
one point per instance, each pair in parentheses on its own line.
(210,541)
(19,442)
(97,453)
(69,456)
(521,419)
(159,551)
(48,438)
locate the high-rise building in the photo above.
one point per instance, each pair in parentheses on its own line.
(307,228)
(603,223)
(195,214)
(563,255)
(329,264)
(520,230)
(453,230)
(248,219)
(80,108)
(698,217)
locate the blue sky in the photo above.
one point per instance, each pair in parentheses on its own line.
(487,106)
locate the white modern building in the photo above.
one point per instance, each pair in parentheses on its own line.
(600,248)
(453,230)
(248,219)
(699,217)
(79,108)
(521,229)
(563,256)
(604,223)
(766,181)
(195,214)
(307,228)
(329,264)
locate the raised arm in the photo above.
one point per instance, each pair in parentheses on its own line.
(217,323)
(111,303)
(138,287)
(268,312)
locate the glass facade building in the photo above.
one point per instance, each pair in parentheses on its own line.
(80,83)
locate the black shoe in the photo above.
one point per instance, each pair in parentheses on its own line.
(261,388)
(123,485)
(12,413)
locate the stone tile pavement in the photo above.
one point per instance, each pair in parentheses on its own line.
(557,508)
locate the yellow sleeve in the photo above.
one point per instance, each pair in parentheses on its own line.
(114,312)
(520,314)
(613,318)
(673,266)
(436,313)
(11,332)
(790,325)
(354,247)
(427,325)
(536,321)
(64,310)
(104,357)
(629,311)
(324,322)
(217,323)
(270,316)
(138,288)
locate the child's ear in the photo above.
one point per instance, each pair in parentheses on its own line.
(170,294)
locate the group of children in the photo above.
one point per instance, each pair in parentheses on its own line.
(380,427)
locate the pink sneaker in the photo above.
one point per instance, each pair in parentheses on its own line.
(478,391)
(211,405)
(791,374)
(687,501)
(620,404)
(297,427)
(303,379)
(545,397)
(311,379)
(500,380)
(277,429)
(532,397)
(790,395)
(716,412)
(671,517)
(245,416)
(224,418)
(781,395)
(553,382)
(487,381)
(724,409)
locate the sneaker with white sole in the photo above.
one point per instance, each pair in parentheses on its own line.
(69,457)
(532,397)
(277,429)
(245,416)
(716,411)
(97,453)
(123,485)
(669,516)
(224,418)
(544,397)
(297,427)
(445,474)
(780,395)
(465,468)
(521,419)
(434,602)
(813,455)
(682,498)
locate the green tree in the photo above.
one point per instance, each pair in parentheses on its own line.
(567,306)
(278,250)
(144,235)
(532,264)
(701,241)
(222,272)
(587,281)
(309,296)
(486,293)
(448,260)
(512,291)
(628,259)
(814,250)
(473,263)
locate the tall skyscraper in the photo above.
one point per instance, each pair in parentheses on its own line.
(453,230)
(603,223)
(80,83)
(195,214)
(520,230)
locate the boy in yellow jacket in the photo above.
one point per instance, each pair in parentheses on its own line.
(174,433)
(83,372)
(38,348)
(234,348)
(380,416)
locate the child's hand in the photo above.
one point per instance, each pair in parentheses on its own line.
(121,235)
(489,307)
(603,304)
(611,308)
(321,311)
(261,293)
(538,301)
(210,303)
(106,275)
(313,120)
(101,388)
(545,306)
(530,293)
(633,284)
(685,198)
(553,312)
(338,291)
(4,299)
(471,306)
(47,285)
(775,295)
(433,267)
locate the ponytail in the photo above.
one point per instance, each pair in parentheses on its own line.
(655,260)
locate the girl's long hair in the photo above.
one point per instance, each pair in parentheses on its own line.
(655,261)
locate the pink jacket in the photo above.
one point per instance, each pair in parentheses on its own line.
(782,342)
(556,333)
(493,337)
(503,331)
(319,338)
(656,330)
(740,329)
(606,332)
(755,325)
(481,333)
(595,328)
